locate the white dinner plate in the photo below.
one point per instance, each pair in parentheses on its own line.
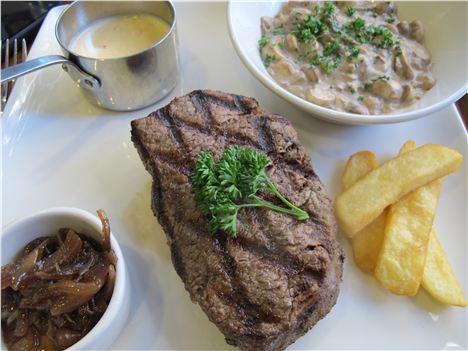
(58,150)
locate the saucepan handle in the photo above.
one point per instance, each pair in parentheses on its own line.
(83,78)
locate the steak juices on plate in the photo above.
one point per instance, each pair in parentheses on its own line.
(279,276)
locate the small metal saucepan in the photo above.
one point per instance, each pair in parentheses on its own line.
(123,83)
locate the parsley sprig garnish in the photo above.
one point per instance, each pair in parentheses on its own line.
(223,188)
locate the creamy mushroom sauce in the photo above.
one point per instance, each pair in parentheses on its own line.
(349,56)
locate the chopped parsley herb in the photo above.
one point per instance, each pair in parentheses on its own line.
(328,64)
(375,14)
(358,24)
(278,31)
(315,61)
(354,52)
(281,45)
(381,37)
(268,60)
(263,41)
(332,48)
(308,30)
(391,19)
(350,11)
(398,51)
(352,90)
(305,53)
(317,10)
(385,77)
(367,86)
(328,8)
(360,98)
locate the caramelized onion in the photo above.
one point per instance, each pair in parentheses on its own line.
(66,337)
(57,289)
(105,230)
(65,253)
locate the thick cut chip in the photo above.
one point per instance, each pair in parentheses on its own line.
(365,200)
(367,242)
(439,279)
(358,165)
(400,265)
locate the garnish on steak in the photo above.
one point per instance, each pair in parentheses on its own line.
(223,188)
(279,276)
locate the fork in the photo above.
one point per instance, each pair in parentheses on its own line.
(8,86)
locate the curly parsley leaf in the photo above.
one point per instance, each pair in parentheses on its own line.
(223,188)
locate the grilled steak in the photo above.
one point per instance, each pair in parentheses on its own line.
(279,276)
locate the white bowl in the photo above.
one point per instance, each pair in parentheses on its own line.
(20,232)
(446,38)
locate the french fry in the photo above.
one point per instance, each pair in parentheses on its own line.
(400,265)
(365,200)
(367,242)
(358,165)
(438,278)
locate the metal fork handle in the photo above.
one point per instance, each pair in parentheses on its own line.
(83,78)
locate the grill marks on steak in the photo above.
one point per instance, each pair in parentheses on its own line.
(274,281)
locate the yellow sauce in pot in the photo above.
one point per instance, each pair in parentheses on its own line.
(118,36)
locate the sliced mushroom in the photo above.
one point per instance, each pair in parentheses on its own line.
(326,38)
(320,96)
(299,12)
(291,42)
(372,103)
(417,31)
(392,28)
(285,71)
(380,64)
(408,93)
(266,24)
(387,89)
(354,107)
(349,67)
(402,67)
(384,7)
(426,81)
(311,74)
(273,51)
(419,51)
(403,28)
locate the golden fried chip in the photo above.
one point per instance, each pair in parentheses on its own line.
(358,165)
(438,279)
(400,265)
(365,200)
(367,242)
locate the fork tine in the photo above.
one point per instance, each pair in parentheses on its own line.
(24,49)
(4,88)
(15,52)
(15,61)
(7,52)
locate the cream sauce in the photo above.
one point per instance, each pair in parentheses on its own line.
(118,36)
(337,58)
